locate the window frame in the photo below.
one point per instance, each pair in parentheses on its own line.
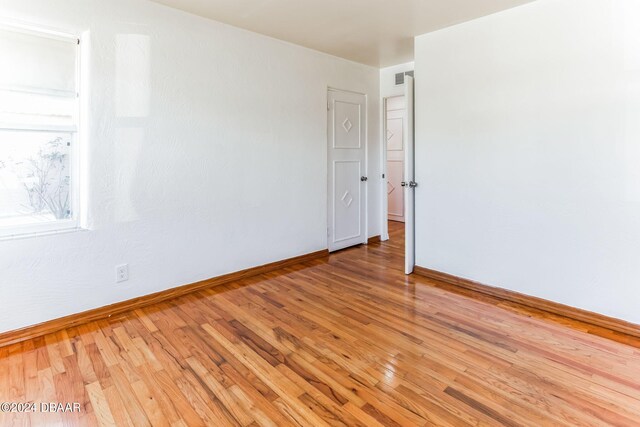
(73,223)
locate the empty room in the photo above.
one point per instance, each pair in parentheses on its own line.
(319,213)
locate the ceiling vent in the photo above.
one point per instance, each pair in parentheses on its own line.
(400,77)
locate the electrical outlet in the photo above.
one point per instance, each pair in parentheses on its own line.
(122,273)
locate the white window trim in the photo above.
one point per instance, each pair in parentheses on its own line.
(40,31)
(37,230)
(66,225)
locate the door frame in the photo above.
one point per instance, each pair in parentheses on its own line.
(384,232)
(366,160)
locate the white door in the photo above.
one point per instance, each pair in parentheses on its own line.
(395,113)
(347,169)
(409,176)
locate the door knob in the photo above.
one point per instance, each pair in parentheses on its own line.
(413,184)
(363,178)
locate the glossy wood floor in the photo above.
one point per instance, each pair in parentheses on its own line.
(345,341)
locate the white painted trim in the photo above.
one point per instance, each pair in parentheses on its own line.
(384,197)
(39,91)
(366,168)
(38,128)
(335,89)
(77,162)
(34,230)
(9,24)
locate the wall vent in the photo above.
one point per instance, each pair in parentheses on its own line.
(400,77)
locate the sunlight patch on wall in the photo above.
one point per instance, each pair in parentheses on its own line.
(133,73)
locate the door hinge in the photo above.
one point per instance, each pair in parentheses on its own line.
(382,176)
(328,105)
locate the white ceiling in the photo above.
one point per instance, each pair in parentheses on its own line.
(374,32)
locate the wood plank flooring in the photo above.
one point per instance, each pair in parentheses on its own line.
(349,340)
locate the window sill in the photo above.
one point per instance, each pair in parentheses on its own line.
(30,234)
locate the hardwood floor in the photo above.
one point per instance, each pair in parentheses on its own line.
(348,340)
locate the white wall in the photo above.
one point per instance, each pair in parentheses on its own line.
(206,154)
(528,152)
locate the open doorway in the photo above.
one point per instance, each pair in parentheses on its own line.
(398,163)
(395,112)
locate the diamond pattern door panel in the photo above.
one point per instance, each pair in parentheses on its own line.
(347,202)
(394,134)
(347,131)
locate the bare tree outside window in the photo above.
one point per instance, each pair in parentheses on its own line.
(45,178)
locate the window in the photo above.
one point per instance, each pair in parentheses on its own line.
(38,131)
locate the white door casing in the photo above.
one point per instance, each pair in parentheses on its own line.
(347,176)
(394,133)
(409,179)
